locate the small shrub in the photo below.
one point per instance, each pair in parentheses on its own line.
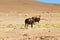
(11,26)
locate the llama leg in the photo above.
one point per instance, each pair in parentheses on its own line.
(25,25)
(31,25)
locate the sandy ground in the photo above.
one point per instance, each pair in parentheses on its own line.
(30,34)
(12,28)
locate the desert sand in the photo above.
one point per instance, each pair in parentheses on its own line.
(14,12)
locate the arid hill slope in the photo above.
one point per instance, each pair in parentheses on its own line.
(27,6)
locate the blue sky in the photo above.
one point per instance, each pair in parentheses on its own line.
(50,1)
